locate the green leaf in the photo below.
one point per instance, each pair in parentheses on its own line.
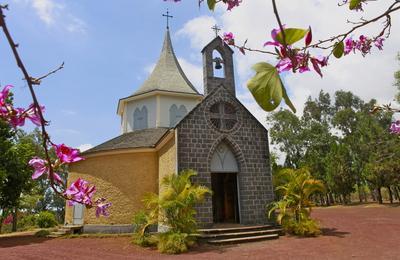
(211,4)
(354,4)
(338,50)
(267,87)
(292,35)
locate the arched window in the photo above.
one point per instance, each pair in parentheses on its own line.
(223,159)
(176,115)
(140,118)
(218,65)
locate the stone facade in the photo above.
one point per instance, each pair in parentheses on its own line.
(210,81)
(248,139)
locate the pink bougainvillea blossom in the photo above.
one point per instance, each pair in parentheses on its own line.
(80,192)
(102,207)
(67,154)
(395,127)
(41,167)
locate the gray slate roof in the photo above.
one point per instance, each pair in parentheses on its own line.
(145,138)
(167,74)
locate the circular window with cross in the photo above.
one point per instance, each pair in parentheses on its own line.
(223,116)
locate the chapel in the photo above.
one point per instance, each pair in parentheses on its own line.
(167,126)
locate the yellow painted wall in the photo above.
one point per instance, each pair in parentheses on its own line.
(167,160)
(121,178)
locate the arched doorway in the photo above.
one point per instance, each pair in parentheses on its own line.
(224,171)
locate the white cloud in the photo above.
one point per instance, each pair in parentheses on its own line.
(46,9)
(85,147)
(55,14)
(198,30)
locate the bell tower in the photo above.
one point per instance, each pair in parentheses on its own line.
(218,66)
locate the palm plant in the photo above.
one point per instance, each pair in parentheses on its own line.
(295,188)
(173,207)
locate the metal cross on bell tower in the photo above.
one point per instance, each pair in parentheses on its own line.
(167,16)
(216,29)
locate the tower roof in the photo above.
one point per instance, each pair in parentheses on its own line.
(167,74)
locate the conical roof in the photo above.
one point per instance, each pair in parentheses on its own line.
(167,74)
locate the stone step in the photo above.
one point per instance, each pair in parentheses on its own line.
(240,234)
(239,240)
(235,229)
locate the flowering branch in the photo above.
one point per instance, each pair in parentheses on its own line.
(80,191)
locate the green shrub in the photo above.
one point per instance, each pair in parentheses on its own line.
(145,240)
(174,243)
(46,220)
(27,222)
(42,233)
(305,227)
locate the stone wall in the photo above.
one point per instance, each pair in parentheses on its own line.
(197,140)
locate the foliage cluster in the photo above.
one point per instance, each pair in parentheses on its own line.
(173,209)
(295,188)
(334,139)
(46,219)
(19,194)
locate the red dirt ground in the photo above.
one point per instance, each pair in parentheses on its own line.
(365,231)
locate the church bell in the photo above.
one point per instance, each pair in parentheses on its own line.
(218,63)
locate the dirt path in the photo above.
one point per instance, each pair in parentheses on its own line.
(364,232)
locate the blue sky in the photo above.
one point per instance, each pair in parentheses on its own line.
(105,59)
(110,47)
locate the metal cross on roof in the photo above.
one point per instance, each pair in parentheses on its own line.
(167,16)
(216,29)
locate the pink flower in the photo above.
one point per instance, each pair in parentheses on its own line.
(229,38)
(101,207)
(67,154)
(4,95)
(233,3)
(17,116)
(363,44)
(379,43)
(274,33)
(395,127)
(317,62)
(349,46)
(40,167)
(80,192)
(284,64)
(32,114)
